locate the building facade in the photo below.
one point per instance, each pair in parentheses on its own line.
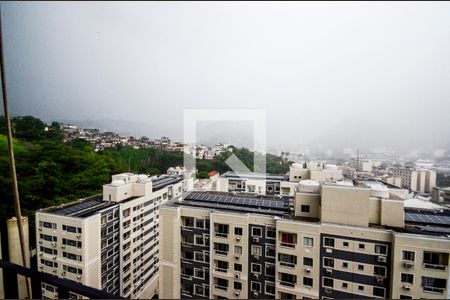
(108,241)
(330,241)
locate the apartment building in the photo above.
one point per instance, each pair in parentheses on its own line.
(315,171)
(262,184)
(418,180)
(332,240)
(108,241)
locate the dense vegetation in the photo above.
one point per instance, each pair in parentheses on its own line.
(442,180)
(51,172)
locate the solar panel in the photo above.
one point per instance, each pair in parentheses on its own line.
(430,219)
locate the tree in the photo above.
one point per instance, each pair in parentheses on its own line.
(29,128)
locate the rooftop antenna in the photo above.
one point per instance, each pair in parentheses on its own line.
(12,162)
(357,163)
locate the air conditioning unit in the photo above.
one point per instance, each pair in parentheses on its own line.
(54,270)
(256,257)
(63,247)
(308,270)
(256,239)
(237,275)
(380,279)
(237,293)
(79,276)
(40,228)
(408,265)
(41,254)
(78,236)
(63,273)
(328,290)
(328,271)
(237,256)
(255,294)
(381,259)
(406,287)
(54,257)
(238,238)
(54,244)
(40,242)
(255,276)
(41,266)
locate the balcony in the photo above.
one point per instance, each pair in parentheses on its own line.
(221,234)
(434,266)
(221,287)
(223,270)
(287,283)
(287,264)
(221,252)
(65,287)
(287,245)
(433,289)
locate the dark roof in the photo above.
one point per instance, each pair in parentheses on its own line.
(239,203)
(267,176)
(159,183)
(82,208)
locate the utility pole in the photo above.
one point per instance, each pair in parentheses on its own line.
(12,162)
(357,163)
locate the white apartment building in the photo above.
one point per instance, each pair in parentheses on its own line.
(108,241)
(418,180)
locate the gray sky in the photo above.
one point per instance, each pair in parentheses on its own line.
(338,74)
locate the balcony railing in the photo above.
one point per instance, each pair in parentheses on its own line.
(223,270)
(221,234)
(287,245)
(287,283)
(221,287)
(287,264)
(434,266)
(64,286)
(433,289)
(221,252)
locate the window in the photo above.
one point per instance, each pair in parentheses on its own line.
(304,209)
(271,233)
(71,229)
(270,269)
(328,242)
(70,242)
(270,288)
(71,256)
(237,285)
(360,267)
(222,266)
(189,222)
(344,285)
(222,230)
(328,262)
(408,255)
(237,231)
(436,285)
(307,261)
(47,224)
(256,231)
(256,286)
(328,282)
(405,297)
(270,251)
(200,223)
(307,281)
(381,249)
(49,238)
(287,296)
(288,239)
(256,250)
(345,244)
(361,246)
(256,268)
(407,278)
(238,267)
(288,279)
(379,271)
(237,249)
(361,287)
(379,292)
(345,265)
(287,260)
(222,284)
(308,241)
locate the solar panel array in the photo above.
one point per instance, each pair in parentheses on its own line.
(235,200)
(72,209)
(235,208)
(430,219)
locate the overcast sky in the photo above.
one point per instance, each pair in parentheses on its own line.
(350,74)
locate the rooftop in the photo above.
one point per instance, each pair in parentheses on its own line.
(267,176)
(80,209)
(241,203)
(163,181)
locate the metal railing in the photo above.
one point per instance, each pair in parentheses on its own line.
(434,266)
(64,286)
